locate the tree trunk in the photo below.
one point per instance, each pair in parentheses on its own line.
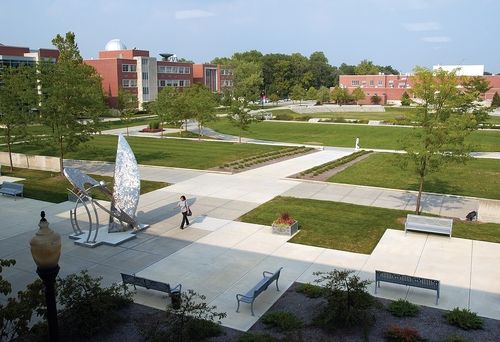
(186,125)
(127,129)
(199,131)
(61,157)
(7,138)
(419,196)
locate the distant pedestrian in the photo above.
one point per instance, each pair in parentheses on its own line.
(183,205)
(356,146)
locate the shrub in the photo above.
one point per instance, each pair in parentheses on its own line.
(154,125)
(194,320)
(464,319)
(254,337)
(403,308)
(87,307)
(310,290)
(284,218)
(282,320)
(375,99)
(396,333)
(348,302)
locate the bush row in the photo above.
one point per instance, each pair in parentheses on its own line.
(265,157)
(317,170)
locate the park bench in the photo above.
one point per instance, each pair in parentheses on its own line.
(407,280)
(254,292)
(150,284)
(429,224)
(12,189)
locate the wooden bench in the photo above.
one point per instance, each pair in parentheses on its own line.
(429,224)
(407,280)
(254,292)
(149,284)
(12,189)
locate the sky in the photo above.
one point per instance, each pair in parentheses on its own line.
(401,33)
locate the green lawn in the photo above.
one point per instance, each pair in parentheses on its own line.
(389,115)
(478,178)
(350,227)
(52,187)
(160,152)
(343,135)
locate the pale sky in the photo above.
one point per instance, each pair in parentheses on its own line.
(401,33)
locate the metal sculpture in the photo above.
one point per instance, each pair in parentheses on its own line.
(124,198)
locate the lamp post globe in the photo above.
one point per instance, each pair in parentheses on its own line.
(46,250)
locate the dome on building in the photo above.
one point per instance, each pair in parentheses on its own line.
(114,45)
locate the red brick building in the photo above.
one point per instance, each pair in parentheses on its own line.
(138,72)
(392,87)
(13,56)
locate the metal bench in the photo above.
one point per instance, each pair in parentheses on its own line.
(12,189)
(429,224)
(407,280)
(149,284)
(252,294)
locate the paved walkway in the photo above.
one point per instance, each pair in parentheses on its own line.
(219,257)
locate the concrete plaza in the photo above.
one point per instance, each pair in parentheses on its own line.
(220,257)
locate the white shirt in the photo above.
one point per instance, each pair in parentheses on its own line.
(183,205)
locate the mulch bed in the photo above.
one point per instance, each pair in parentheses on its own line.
(429,323)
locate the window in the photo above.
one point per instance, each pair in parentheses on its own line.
(129,83)
(227,83)
(226,72)
(372,83)
(145,76)
(380,82)
(145,90)
(173,83)
(144,61)
(355,82)
(129,68)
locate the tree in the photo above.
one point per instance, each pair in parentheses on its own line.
(358,94)
(340,95)
(405,99)
(446,115)
(322,73)
(298,93)
(323,95)
(274,98)
(127,105)
(71,91)
(495,102)
(375,99)
(18,98)
(168,106)
(199,104)
(240,116)
(366,67)
(312,93)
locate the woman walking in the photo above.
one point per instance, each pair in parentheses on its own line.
(184,210)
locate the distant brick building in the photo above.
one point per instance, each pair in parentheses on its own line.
(135,71)
(392,87)
(13,56)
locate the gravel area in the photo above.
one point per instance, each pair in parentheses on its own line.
(429,323)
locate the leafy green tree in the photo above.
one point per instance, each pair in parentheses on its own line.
(366,67)
(446,116)
(298,93)
(71,92)
(322,73)
(358,94)
(126,104)
(346,69)
(274,98)
(240,116)
(323,94)
(375,99)
(247,80)
(340,95)
(405,99)
(166,106)
(312,93)
(200,104)
(495,102)
(18,98)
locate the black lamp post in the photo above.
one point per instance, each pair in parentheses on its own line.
(46,250)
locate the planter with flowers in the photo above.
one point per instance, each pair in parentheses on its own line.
(285,225)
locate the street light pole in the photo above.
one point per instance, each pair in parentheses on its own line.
(46,250)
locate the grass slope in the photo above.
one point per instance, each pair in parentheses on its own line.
(477,178)
(160,152)
(52,187)
(344,135)
(350,227)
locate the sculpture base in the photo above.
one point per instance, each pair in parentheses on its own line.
(106,238)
